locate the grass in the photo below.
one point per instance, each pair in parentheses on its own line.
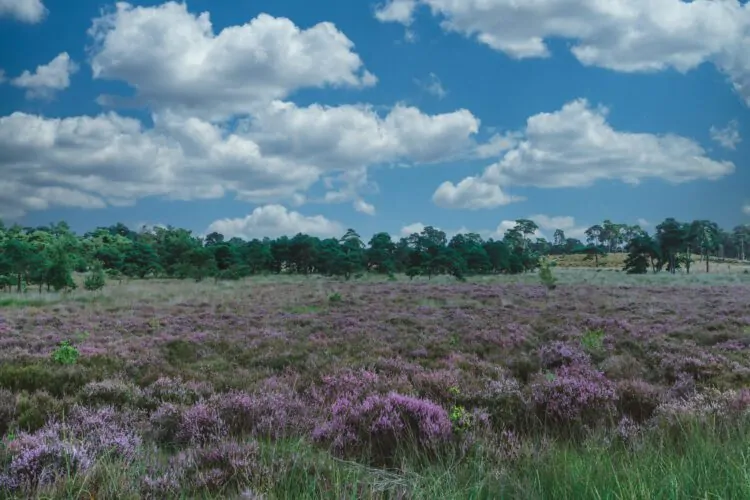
(704,465)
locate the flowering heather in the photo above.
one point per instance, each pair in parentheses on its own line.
(175,390)
(557,354)
(187,368)
(574,394)
(116,392)
(270,414)
(180,425)
(42,458)
(206,468)
(384,422)
(66,448)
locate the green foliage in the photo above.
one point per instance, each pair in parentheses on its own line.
(65,354)
(593,341)
(46,256)
(460,419)
(546,277)
(96,279)
(334,298)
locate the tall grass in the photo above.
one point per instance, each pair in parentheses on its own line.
(698,463)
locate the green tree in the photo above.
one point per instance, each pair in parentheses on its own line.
(670,235)
(96,279)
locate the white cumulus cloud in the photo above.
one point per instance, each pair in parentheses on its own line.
(48,78)
(746,209)
(575,147)
(364,207)
(471,193)
(174,59)
(400,11)
(274,221)
(621,35)
(409,229)
(27,11)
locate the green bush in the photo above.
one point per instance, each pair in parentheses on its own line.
(65,354)
(546,277)
(97,279)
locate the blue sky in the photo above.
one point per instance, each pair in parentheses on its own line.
(267,117)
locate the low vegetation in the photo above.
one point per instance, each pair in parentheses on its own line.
(312,388)
(328,369)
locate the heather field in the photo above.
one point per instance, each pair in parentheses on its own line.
(609,386)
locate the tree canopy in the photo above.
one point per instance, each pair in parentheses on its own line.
(45,256)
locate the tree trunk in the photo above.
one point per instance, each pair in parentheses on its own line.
(707,260)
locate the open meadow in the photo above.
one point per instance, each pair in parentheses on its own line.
(609,386)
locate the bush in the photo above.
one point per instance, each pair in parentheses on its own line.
(97,279)
(7,410)
(546,276)
(267,414)
(115,392)
(574,395)
(380,425)
(195,425)
(207,469)
(65,354)
(34,410)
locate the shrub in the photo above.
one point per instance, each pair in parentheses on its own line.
(96,279)
(381,424)
(41,459)
(34,410)
(505,402)
(175,390)
(58,380)
(206,469)
(269,414)
(334,298)
(195,425)
(574,395)
(65,354)
(61,449)
(593,341)
(7,410)
(638,399)
(556,354)
(116,392)
(546,276)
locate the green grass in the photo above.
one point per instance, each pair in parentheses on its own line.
(699,463)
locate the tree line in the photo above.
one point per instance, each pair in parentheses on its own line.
(46,256)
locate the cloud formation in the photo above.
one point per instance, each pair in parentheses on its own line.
(274,221)
(48,78)
(576,147)
(25,11)
(620,35)
(728,137)
(175,60)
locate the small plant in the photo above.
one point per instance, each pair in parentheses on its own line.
(460,418)
(97,279)
(65,354)
(545,275)
(593,340)
(334,298)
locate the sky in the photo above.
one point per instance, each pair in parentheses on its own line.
(266,117)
